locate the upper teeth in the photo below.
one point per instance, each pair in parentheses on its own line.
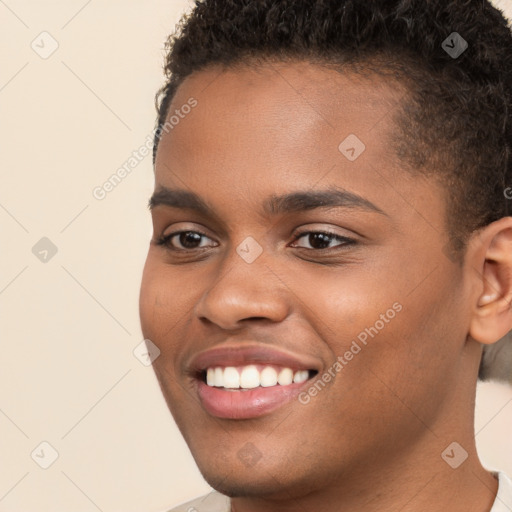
(249,377)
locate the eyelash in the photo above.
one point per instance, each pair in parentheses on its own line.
(164,240)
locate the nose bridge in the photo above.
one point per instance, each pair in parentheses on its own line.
(247,288)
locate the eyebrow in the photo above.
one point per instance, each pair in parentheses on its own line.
(274,205)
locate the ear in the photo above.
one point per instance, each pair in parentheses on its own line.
(490,255)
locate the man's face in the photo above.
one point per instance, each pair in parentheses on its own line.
(380,309)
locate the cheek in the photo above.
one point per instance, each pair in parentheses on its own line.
(391,337)
(409,365)
(346,306)
(156,307)
(161,302)
(148,298)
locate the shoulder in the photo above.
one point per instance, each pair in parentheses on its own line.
(212,502)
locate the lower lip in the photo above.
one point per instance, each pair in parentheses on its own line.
(245,404)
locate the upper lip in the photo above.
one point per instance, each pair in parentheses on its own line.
(245,354)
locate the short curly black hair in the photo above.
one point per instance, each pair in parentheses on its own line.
(455,122)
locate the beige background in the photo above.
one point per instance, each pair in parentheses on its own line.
(69,325)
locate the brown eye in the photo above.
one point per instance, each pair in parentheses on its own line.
(321,240)
(182,240)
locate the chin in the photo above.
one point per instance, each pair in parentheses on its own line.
(236,487)
(256,482)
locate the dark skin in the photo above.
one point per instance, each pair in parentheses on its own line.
(372,439)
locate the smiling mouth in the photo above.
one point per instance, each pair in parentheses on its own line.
(248,381)
(253,376)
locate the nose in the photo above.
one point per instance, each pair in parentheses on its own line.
(244,291)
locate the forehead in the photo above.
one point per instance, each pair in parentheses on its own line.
(276,116)
(275,130)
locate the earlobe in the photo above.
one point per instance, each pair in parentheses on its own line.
(492,261)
